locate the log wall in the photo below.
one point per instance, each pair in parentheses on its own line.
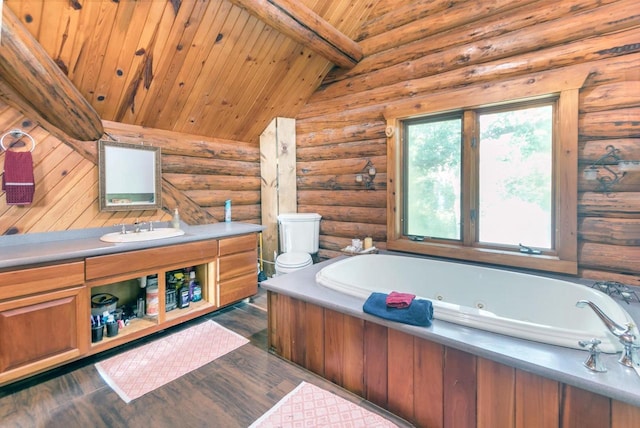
(199,174)
(455,44)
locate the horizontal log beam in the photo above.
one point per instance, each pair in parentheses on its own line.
(621,123)
(362,131)
(610,96)
(615,231)
(484,65)
(345,198)
(245,213)
(344,166)
(591,150)
(354,230)
(178,143)
(451,17)
(623,259)
(342,182)
(604,275)
(212,182)
(197,165)
(623,205)
(295,20)
(213,198)
(338,213)
(26,67)
(356,149)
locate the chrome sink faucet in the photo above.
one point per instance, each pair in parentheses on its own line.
(136,226)
(623,333)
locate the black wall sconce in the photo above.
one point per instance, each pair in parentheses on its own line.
(611,178)
(367,175)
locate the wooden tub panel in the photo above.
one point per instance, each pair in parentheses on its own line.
(537,401)
(496,394)
(400,373)
(428,374)
(585,409)
(459,389)
(375,363)
(429,384)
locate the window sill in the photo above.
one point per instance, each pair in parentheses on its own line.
(543,262)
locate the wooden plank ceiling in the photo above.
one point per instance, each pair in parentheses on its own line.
(199,67)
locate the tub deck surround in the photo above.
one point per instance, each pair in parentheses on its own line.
(527,306)
(554,362)
(48,247)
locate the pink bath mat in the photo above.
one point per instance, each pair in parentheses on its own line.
(310,406)
(143,369)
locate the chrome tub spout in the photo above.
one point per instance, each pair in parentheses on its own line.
(623,333)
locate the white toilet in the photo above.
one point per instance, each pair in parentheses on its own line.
(299,238)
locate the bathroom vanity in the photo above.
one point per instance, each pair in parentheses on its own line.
(46,284)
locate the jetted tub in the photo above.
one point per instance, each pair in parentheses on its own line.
(515,304)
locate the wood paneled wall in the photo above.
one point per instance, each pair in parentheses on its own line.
(199,174)
(416,47)
(429,384)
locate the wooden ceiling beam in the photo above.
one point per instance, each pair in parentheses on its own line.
(303,25)
(42,87)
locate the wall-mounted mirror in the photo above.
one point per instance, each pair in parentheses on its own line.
(130,176)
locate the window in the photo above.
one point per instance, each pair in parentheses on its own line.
(512,148)
(493,181)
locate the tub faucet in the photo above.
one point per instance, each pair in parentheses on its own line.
(593,363)
(624,334)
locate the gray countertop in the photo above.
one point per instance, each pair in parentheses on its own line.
(50,247)
(553,362)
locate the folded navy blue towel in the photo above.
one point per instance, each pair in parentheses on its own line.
(419,312)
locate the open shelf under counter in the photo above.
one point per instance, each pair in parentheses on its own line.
(195,309)
(137,328)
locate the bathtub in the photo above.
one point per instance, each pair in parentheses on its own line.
(511,303)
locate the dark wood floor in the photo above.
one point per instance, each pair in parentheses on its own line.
(232,391)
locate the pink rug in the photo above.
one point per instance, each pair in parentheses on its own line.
(143,369)
(310,406)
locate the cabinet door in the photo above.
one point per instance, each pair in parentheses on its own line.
(40,331)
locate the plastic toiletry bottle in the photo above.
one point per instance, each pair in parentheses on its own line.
(175,221)
(193,283)
(227,210)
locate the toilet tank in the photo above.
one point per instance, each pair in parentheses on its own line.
(299,232)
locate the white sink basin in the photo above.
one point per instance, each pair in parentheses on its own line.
(143,235)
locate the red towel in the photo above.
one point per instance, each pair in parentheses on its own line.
(399,300)
(17,180)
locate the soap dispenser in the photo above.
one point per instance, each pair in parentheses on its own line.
(175,221)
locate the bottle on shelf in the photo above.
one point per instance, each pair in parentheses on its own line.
(193,285)
(227,210)
(152,298)
(175,221)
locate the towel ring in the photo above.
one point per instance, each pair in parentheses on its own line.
(17,133)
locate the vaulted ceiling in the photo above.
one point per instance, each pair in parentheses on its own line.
(200,67)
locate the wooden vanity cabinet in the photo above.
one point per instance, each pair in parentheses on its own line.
(42,318)
(237,268)
(45,310)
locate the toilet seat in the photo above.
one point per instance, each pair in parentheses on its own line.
(288,262)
